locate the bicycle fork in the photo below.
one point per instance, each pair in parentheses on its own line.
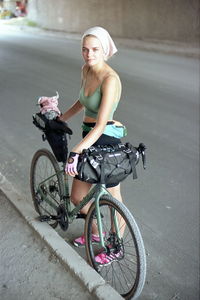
(113,215)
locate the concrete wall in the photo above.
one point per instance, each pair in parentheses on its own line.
(176,20)
(10,5)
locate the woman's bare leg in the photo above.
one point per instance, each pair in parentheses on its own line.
(79,190)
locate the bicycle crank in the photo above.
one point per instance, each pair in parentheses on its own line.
(62,217)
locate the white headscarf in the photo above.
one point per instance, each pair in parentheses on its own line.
(105,39)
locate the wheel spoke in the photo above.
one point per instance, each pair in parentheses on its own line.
(46,184)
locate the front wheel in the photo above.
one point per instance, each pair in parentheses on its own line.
(46,185)
(122,263)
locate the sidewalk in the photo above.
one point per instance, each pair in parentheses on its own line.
(37,262)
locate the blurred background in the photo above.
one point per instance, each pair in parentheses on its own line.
(176,20)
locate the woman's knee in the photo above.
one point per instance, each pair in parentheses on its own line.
(75,198)
(79,190)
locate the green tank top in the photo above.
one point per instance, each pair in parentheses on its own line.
(92,103)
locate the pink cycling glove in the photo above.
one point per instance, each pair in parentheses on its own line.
(71,165)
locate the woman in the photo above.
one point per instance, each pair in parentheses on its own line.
(99,97)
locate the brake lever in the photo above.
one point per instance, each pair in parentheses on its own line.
(144,160)
(141,150)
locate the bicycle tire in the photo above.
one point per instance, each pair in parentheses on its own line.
(43,166)
(133,263)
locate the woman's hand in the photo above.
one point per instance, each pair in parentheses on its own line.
(60,118)
(71,165)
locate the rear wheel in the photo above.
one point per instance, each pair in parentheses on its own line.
(46,185)
(124,266)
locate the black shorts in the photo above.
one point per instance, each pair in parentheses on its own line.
(103,140)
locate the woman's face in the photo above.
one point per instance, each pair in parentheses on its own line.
(92,51)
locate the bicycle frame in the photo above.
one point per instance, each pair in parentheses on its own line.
(96,192)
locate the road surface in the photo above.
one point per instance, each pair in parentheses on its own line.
(159,106)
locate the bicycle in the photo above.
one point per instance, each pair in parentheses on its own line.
(118,232)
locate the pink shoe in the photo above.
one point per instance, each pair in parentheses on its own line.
(80,242)
(104,259)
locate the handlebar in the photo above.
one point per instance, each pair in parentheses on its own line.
(56,125)
(59,125)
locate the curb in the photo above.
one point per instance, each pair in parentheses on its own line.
(93,282)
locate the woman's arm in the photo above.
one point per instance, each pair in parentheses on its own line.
(110,94)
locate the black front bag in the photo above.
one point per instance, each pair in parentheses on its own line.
(58,144)
(109,164)
(55,132)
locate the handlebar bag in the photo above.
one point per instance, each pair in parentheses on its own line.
(108,164)
(58,143)
(55,132)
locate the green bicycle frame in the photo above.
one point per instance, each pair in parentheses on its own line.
(96,192)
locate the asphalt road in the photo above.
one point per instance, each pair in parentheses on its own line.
(160,107)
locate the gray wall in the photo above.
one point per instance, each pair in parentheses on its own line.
(175,20)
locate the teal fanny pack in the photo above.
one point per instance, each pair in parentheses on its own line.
(117,131)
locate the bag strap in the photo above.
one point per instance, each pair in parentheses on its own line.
(102,176)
